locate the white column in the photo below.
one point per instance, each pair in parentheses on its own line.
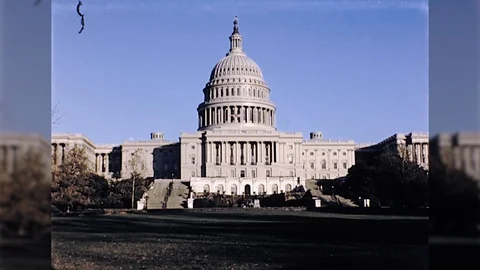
(248,150)
(352,157)
(425,152)
(260,153)
(238,154)
(419,154)
(107,161)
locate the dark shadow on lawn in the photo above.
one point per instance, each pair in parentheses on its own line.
(288,240)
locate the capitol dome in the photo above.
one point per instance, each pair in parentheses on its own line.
(236,95)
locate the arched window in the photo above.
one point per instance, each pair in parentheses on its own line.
(288,188)
(206,188)
(220,189)
(274,188)
(234,189)
(261,189)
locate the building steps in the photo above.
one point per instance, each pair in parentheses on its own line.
(178,196)
(156,195)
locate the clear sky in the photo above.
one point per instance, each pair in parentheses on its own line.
(352,69)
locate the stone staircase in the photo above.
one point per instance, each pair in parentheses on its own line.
(156,194)
(178,196)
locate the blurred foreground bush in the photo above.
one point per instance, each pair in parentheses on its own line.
(25,197)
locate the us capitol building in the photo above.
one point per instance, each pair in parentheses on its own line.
(236,147)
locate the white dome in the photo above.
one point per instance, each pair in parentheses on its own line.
(236,96)
(236,64)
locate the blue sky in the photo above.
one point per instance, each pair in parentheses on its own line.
(352,69)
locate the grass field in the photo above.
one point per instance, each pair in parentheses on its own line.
(239,240)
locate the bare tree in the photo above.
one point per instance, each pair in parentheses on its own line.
(55,115)
(137,167)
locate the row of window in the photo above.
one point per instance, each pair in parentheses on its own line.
(233,189)
(218,93)
(238,80)
(324,165)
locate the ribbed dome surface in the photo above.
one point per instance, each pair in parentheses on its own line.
(236,64)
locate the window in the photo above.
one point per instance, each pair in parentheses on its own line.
(334,153)
(290,159)
(193,160)
(313,177)
(324,164)
(344,153)
(253,174)
(267,173)
(193,146)
(193,173)
(291,174)
(232,173)
(242,173)
(335,165)
(312,165)
(311,153)
(290,147)
(344,165)
(323,153)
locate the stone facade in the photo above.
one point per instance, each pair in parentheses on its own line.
(14,146)
(460,151)
(413,146)
(237,147)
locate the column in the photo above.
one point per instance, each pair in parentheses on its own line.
(419,154)
(255,154)
(269,149)
(58,154)
(247,113)
(96,162)
(249,153)
(410,152)
(107,161)
(260,153)
(425,152)
(238,154)
(352,157)
(222,110)
(244,152)
(224,152)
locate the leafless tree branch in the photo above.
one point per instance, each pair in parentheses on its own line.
(55,115)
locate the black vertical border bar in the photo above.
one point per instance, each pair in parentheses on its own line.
(25,95)
(453,108)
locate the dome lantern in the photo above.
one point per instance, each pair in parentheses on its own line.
(235,39)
